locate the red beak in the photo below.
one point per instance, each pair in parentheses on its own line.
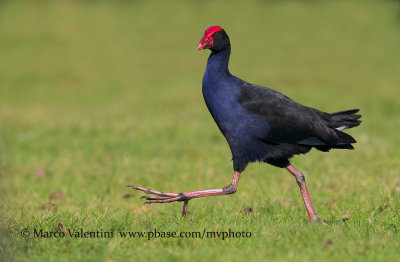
(204,43)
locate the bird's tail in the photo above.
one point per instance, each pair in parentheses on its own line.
(339,121)
(344,119)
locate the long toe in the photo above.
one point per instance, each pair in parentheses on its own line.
(154,192)
(152,198)
(163,200)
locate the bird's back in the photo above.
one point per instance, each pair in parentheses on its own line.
(260,123)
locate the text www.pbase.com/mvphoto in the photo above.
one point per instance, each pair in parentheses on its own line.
(154,234)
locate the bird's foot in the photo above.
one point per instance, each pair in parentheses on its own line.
(164,197)
(315,220)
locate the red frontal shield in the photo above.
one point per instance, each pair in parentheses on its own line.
(207,41)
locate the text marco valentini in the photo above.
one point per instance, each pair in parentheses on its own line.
(75,233)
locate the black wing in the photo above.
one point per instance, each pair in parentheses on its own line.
(289,121)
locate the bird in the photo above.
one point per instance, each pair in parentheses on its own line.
(260,125)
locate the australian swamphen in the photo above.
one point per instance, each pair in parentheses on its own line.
(260,124)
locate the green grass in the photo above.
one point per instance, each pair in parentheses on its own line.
(100,95)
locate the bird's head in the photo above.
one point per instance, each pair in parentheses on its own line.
(215,39)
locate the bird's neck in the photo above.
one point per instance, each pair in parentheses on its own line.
(218,62)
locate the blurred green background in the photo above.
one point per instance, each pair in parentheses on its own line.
(96,95)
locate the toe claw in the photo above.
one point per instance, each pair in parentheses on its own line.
(152,198)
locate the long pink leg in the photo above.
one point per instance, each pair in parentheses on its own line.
(166,197)
(301,181)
